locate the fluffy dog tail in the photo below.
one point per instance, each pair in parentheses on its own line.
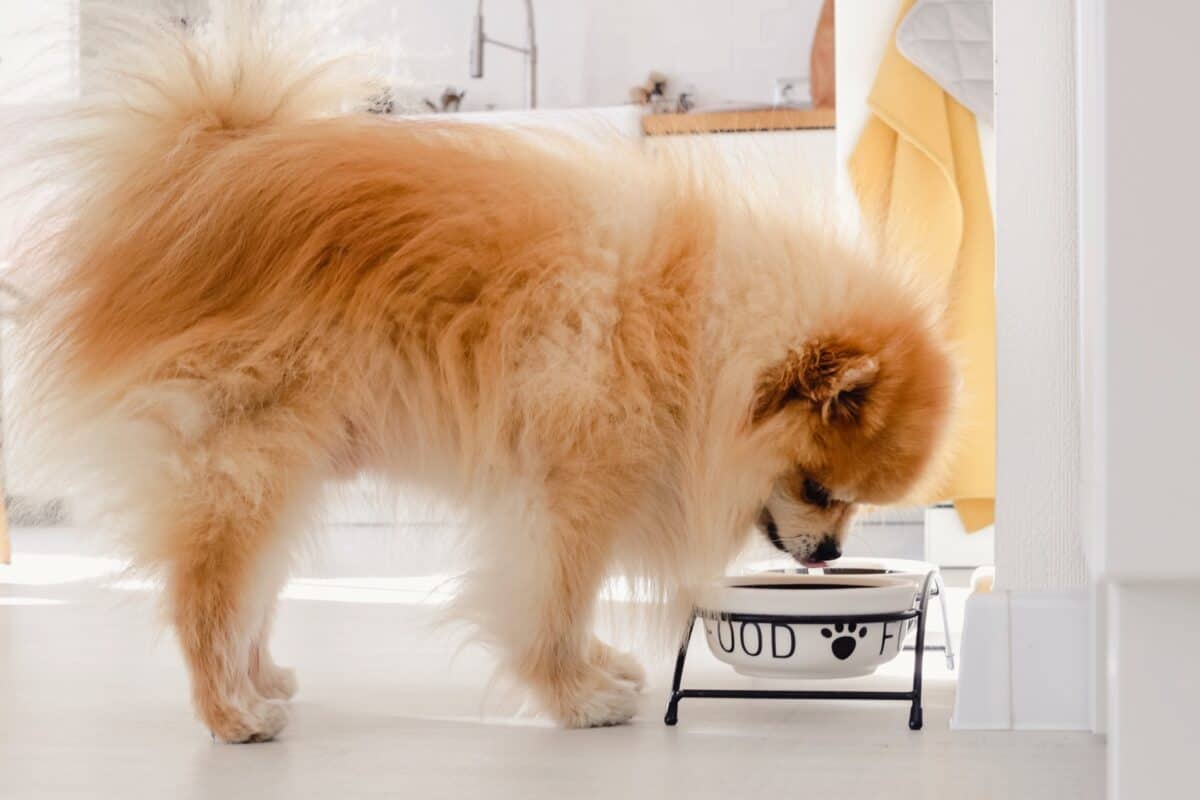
(161,100)
(98,182)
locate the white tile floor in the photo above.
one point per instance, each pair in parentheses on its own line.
(93,703)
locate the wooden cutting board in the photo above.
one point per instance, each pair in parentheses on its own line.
(781,119)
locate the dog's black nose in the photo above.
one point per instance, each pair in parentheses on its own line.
(827,550)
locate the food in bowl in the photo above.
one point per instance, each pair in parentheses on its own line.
(748,623)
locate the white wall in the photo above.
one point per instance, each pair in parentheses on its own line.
(727,51)
(1148,225)
(591,51)
(423,45)
(1138,170)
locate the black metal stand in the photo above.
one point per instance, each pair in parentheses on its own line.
(915,716)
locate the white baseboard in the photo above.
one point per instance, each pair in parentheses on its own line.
(1154,699)
(1025,662)
(983,700)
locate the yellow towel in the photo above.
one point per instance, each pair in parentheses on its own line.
(919,174)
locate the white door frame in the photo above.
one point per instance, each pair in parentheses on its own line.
(1138,169)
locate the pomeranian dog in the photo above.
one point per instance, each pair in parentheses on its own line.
(609,361)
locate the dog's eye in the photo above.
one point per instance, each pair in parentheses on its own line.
(816,494)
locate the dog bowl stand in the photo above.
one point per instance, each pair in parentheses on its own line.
(913,696)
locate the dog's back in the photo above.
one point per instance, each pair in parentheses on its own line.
(235,235)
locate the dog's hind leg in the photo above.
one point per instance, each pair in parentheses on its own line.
(226,554)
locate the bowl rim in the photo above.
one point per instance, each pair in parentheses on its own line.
(868,594)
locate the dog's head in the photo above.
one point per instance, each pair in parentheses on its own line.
(855,417)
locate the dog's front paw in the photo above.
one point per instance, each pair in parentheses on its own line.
(599,700)
(275,683)
(621,665)
(262,722)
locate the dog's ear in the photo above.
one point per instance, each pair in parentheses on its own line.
(832,377)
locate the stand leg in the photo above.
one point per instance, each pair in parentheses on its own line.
(915,716)
(672,716)
(941,591)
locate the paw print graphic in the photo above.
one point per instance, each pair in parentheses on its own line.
(843,638)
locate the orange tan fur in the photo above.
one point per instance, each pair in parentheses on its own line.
(605,360)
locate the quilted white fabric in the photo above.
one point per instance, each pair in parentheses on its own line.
(951,42)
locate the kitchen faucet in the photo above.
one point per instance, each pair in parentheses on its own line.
(479,39)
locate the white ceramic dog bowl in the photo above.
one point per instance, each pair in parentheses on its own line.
(780,649)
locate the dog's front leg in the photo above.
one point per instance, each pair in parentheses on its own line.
(537,609)
(572,673)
